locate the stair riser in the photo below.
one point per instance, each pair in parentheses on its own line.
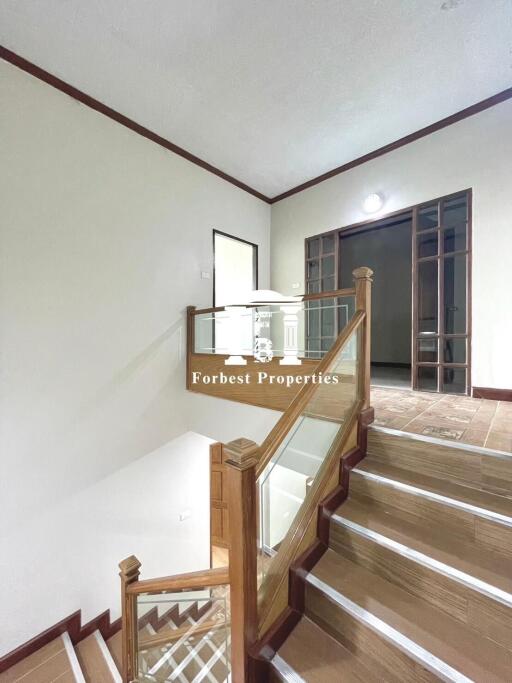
(488,472)
(485,533)
(481,612)
(382,658)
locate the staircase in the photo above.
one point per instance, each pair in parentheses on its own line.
(170,644)
(92,660)
(416,584)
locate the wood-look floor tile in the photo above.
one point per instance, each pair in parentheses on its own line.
(28,665)
(445,637)
(318,658)
(434,541)
(474,437)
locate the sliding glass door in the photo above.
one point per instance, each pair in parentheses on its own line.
(442,311)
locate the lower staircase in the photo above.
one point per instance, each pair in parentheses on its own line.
(416,584)
(170,644)
(92,660)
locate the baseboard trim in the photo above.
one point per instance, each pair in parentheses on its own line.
(71,625)
(492,394)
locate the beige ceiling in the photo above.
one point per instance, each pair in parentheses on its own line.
(273,92)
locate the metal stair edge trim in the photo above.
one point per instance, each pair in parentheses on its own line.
(416,652)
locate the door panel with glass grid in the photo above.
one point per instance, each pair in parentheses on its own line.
(322,316)
(441,258)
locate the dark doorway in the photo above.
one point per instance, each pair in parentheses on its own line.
(386,247)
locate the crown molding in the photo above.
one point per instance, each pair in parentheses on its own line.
(75,93)
(401,142)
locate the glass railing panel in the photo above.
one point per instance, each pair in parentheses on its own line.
(318,324)
(287,479)
(184,636)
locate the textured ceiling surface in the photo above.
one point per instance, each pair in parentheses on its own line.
(273,92)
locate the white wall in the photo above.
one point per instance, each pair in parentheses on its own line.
(475,153)
(102,241)
(66,559)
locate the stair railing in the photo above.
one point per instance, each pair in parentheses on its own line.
(260,572)
(166,619)
(238,606)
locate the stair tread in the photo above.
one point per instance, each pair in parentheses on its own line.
(46,664)
(319,658)
(467,494)
(441,635)
(491,567)
(115,646)
(92,660)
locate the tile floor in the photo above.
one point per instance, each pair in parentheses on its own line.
(474,421)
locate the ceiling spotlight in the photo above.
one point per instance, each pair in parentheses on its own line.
(373,203)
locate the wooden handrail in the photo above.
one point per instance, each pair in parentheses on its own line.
(186,582)
(348,291)
(297,406)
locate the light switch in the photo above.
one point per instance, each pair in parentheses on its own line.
(205,275)
(295,285)
(185,515)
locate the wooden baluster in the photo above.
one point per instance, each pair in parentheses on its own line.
(191,343)
(242,457)
(129,574)
(363,284)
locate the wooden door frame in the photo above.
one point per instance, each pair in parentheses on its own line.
(365,225)
(440,336)
(237,239)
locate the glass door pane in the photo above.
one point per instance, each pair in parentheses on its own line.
(455,294)
(442,241)
(428,296)
(321,268)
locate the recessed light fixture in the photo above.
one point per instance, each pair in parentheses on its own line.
(373,203)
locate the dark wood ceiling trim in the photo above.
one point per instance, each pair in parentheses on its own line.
(91,102)
(443,123)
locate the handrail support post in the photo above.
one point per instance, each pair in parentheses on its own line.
(363,285)
(129,573)
(242,457)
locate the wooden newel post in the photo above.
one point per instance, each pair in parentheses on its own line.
(242,458)
(363,283)
(129,574)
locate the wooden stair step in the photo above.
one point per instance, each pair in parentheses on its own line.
(54,661)
(411,632)
(487,529)
(468,494)
(96,662)
(477,605)
(315,657)
(430,540)
(477,467)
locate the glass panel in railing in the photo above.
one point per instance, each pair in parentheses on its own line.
(225,332)
(310,326)
(184,636)
(323,320)
(288,477)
